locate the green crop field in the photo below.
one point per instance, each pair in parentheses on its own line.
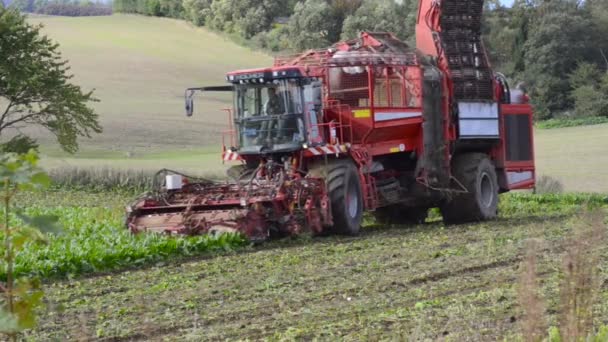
(423,282)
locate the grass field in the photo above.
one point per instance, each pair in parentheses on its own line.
(139,67)
(577,156)
(424,282)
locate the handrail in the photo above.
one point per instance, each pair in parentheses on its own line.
(353,58)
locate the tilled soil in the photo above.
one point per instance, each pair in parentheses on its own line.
(391,283)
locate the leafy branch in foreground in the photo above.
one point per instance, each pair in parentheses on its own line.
(35,86)
(22,295)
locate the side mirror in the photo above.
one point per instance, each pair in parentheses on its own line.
(189,105)
(189,95)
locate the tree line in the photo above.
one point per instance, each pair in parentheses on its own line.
(279,25)
(70,8)
(556,48)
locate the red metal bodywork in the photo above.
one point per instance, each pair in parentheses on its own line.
(372,112)
(273,200)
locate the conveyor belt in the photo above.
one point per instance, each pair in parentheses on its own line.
(461,38)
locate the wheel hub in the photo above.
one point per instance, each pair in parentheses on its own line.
(352,204)
(486,190)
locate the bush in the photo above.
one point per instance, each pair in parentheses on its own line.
(196,10)
(585,74)
(275,40)
(548,185)
(571,122)
(589,101)
(159,8)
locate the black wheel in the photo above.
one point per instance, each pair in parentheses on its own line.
(345,195)
(478,175)
(399,214)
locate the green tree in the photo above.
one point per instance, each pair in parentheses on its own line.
(558,40)
(340,10)
(35,86)
(586,74)
(275,40)
(505,31)
(589,101)
(310,25)
(196,10)
(244,17)
(380,15)
(589,90)
(153,8)
(23,5)
(598,10)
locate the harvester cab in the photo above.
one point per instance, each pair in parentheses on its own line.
(366,124)
(269,111)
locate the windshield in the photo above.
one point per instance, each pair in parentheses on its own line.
(276,98)
(270,115)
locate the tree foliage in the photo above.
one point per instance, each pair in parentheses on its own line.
(244,17)
(380,15)
(310,25)
(589,91)
(196,11)
(557,47)
(36,88)
(558,39)
(158,8)
(70,8)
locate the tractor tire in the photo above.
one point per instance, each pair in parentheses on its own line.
(478,175)
(401,215)
(345,195)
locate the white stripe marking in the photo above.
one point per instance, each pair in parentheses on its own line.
(327,150)
(394,116)
(231,156)
(314,151)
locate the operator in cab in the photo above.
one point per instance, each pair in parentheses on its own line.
(274,105)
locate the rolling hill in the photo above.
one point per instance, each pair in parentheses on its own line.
(139,67)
